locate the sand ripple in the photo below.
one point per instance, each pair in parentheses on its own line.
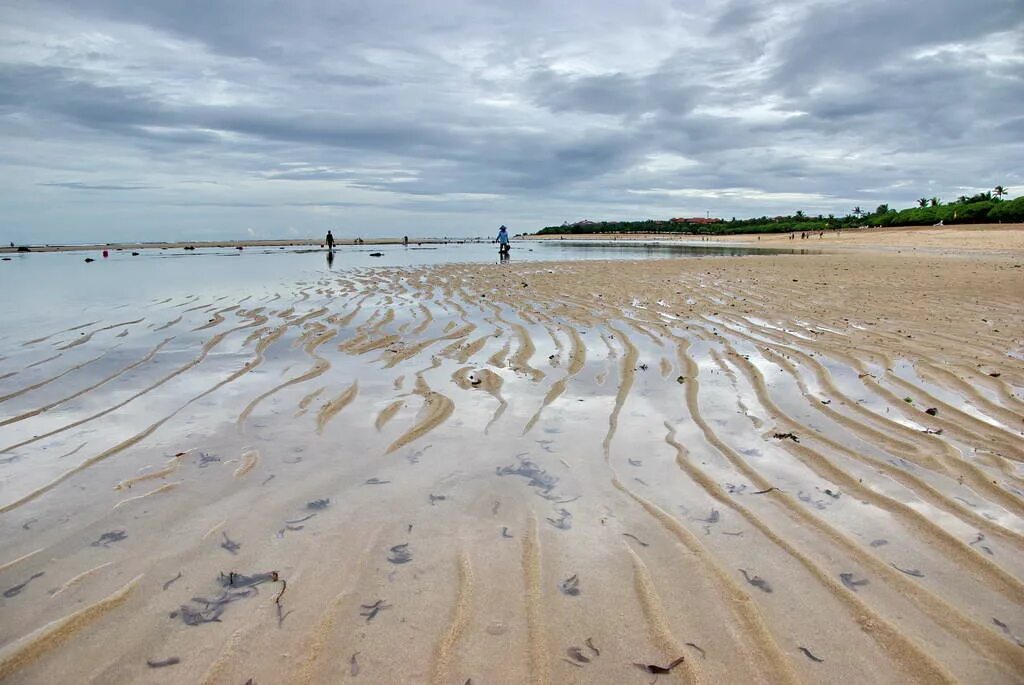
(784,469)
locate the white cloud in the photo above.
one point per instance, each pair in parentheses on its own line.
(751,195)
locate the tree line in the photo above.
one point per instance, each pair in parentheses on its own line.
(987,207)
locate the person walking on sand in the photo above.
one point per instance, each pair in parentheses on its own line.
(330,241)
(502,240)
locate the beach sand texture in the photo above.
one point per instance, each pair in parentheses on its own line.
(778,469)
(959,238)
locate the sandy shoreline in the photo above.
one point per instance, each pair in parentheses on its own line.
(974,237)
(781,468)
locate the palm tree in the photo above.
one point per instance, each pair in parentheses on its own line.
(857,211)
(962,199)
(999,191)
(934,202)
(882,209)
(922,202)
(799,214)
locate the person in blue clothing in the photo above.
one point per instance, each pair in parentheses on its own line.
(502,240)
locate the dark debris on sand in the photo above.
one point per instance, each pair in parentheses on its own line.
(654,669)
(757,581)
(400,554)
(570,586)
(230,545)
(370,611)
(235,586)
(108,538)
(537,477)
(564,520)
(786,436)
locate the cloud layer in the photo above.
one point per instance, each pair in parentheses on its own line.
(228,119)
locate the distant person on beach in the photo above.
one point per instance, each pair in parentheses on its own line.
(405,241)
(330,241)
(502,240)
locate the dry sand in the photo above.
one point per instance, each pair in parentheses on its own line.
(798,468)
(974,237)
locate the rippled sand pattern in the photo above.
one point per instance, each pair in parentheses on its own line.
(778,469)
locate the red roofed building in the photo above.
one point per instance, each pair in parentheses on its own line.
(695,220)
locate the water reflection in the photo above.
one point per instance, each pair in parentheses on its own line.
(42,279)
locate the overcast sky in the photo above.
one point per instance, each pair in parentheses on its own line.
(150,120)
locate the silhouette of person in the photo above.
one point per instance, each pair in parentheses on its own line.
(330,241)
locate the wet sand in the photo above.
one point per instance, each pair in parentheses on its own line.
(795,468)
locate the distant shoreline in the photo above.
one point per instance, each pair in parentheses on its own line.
(961,236)
(181,244)
(985,237)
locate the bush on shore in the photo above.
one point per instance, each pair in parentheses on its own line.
(982,208)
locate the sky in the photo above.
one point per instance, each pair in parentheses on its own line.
(208,119)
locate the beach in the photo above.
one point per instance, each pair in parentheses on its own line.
(966,237)
(770,468)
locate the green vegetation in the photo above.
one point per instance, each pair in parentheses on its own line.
(987,207)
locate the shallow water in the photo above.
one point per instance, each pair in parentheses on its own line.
(56,283)
(427,456)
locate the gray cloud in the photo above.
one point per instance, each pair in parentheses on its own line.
(832,37)
(78,185)
(456,116)
(615,94)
